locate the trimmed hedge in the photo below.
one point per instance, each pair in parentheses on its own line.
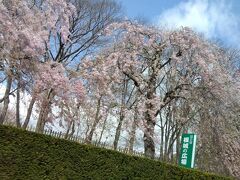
(27,155)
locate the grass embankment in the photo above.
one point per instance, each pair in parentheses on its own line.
(26,155)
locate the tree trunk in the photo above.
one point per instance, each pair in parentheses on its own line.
(41,119)
(68,129)
(170,146)
(178,144)
(18,121)
(149,145)
(73,129)
(121,118)
(133,131)
(45,109)
(95,123)
(6,99)
(118,131)
(87,129)
(78,129)
(103,129)
(161,144)
(172,156)
(162,135)
(29,112)
(149,116)
(167,134)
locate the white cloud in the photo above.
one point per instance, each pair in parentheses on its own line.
(213,18)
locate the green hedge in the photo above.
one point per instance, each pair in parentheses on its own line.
(27,155)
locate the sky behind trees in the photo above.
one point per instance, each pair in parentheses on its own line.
(216,19)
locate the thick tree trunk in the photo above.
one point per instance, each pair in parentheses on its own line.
(41,119)
(6,99)
(45,109)
(18,121)
(29,113)
(95,123)
(150,119)
(149,145)
(133,131)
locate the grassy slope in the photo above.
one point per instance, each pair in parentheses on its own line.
(26,155)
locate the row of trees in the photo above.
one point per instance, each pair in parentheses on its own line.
(129,84)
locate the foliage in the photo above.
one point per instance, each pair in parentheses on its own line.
(26,155)
(91,74)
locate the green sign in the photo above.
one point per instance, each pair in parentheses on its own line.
(188,148)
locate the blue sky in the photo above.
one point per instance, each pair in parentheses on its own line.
(146,8)
(216,19)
